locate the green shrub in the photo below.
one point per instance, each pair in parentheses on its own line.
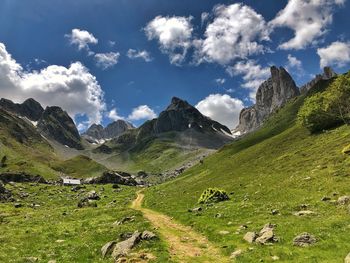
(329,108)
(213,195)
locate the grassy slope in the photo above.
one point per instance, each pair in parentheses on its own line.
(279,167)
(28,232)
(79,167)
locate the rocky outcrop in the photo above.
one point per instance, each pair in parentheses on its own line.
(30,108)
(97,133)
(271,95)
(56,124)
(22,178)
(328,73)
(4,193)
(180,116)
(113,177)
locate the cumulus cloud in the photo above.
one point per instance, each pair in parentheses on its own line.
(222,108)
(252,73)
(73,88)
(81,38)
(307,18)
(235,33)
(142,112)
(337,53)
(143,54)
(113,115)
(174,35)
(106,60)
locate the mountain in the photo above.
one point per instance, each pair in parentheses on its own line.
(97,133)
(272,175)
(328,73)
(271,95)
(30,108)
(180,134)
(56,124)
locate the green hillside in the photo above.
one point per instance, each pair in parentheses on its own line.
(280,167)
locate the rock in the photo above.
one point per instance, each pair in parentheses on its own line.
(76,188)
(58,125)
(30,108)
(31,259)
(347,259)
(124,220)
(97,133)
(224,232)
(52,261)
(113,177)
(274,212)
(343,200)
(304,240)
(92,195)
(236,254)
(196,209)
(218,215)
(271,95)
(5,194)
(21,178)
(275,258)
(115,186)
(123,248)
(325,198)
(305,213)
(267,235)
(328,73)
(148,235)
(108,248)
(17,205)
(87,203)
(250,237)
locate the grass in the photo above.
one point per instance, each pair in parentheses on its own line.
(79,167)
(279,167)
(58,230)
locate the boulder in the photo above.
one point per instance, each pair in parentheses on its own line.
(124,220)
(236,253)
(148,235)
(267,235)
(21,178)
(108,248)
(5,194)
(123,248)
(344,200)
(304,240)
(92,195)
(305,213)
(250,237)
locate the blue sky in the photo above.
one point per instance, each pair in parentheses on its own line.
(211,53)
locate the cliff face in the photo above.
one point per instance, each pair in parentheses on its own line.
(328,73)
(271,95)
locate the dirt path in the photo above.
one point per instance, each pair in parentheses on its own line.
(184,244)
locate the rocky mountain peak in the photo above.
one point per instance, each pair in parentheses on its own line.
(271,95)
(30,108)
(178,104)
(328,73)
(55,123)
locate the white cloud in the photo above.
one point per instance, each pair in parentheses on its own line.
(142,112)
(174,35)
(307,18)
(81,38)
(337,53)
(106,60)
(143,54)
(204,18)
(220,81)
(253,75)
(113,115)
(222,108)
(73,88)
(293,62)
(234,34)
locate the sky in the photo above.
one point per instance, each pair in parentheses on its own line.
(103,60)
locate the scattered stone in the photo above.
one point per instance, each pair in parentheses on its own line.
(108,248)
(196,209)
(275,258)
(124,220)
(304,240)
(148,235)
(123,248)
(325,198)
(31,259)
(236,253)
(59,241)
(77,188)
(224,232)
(52,261)
(347,259)
(344,200)
(17,205)
(274,212)
(250,237)
(87,203)
(218,215)
(5,194)
(305,213)
(115,186)
(92,195)
(267,235)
